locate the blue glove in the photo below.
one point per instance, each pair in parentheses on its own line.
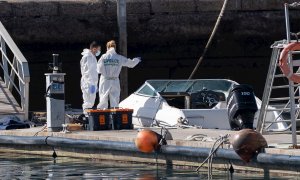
(92,89)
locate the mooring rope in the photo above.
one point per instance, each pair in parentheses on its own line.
(210,39)
(43,128)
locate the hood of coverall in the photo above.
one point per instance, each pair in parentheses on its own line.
(86,52)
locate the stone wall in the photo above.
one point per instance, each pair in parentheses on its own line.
(152,21)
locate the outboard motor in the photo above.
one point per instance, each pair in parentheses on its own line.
(242,107)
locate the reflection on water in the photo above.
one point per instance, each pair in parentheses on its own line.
(36,167)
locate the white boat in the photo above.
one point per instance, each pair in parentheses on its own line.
(200,102)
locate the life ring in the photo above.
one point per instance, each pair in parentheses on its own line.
(284,62)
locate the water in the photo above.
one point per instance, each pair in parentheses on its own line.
(15,166)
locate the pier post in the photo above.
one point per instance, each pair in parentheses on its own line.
(266,173)
(122,26)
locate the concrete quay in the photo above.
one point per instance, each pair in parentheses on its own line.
(119,146)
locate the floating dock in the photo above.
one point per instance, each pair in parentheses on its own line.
(119,146)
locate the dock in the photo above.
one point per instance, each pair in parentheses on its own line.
(119,146)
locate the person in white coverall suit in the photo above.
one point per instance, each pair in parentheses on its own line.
(109,66)
(89,79)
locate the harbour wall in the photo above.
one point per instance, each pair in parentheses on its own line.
(168,34)
(126,151)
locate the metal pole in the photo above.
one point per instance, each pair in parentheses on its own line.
(292,103)
(26,103)
(266,173)
(287,22)
(4,62)
(121,6)
(291,83)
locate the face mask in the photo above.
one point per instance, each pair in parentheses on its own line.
(98,53)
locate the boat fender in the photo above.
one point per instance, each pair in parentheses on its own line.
(148,141)
(247,143)
(284,62)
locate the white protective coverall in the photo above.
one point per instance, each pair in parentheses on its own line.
(109,66)
(89,78)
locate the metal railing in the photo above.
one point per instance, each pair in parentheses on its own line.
(292,106)
(15,68)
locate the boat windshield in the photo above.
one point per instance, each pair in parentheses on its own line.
(190,86)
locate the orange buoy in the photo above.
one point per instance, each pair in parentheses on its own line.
(147,177)
(284,62)
(247,143)
(147,141)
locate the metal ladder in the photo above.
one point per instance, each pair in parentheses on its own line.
(276,81)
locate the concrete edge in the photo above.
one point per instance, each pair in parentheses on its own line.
(129,152)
